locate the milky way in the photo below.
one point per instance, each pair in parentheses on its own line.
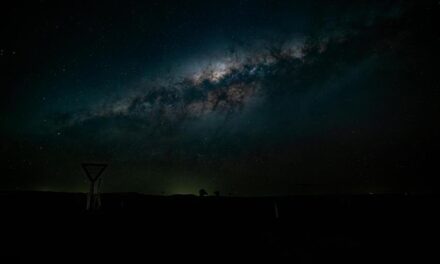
(223,87)
(250,98)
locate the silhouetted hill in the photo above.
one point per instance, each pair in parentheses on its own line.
(356,228)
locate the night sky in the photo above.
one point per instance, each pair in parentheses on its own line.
(241,97)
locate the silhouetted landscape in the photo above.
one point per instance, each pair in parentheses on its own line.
(241,131)
(302,229)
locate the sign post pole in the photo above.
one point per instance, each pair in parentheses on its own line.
(93,172)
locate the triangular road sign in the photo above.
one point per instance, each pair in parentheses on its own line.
(94,170)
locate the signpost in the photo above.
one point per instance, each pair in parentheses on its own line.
(94,172)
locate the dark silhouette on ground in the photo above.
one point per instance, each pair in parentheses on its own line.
(203,192)
(310,229)
(94,172)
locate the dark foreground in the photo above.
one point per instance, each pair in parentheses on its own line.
(309,229)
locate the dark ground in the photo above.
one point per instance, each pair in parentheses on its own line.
(310,229)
